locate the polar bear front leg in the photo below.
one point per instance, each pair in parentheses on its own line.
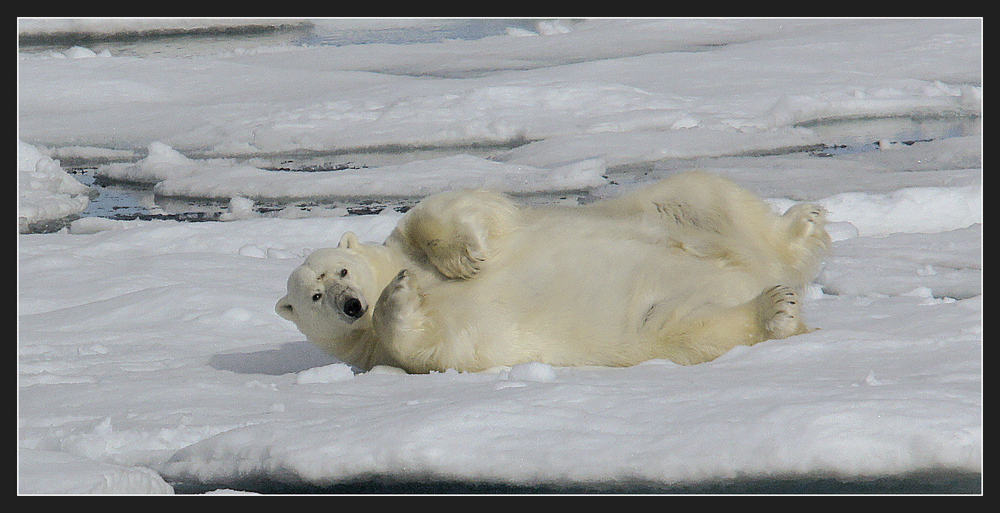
(461,255)
(457,231)
(399,320)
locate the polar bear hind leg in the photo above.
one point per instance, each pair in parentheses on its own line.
(696,205)
(779,312)
(807,242)
(692,199)
(705,335)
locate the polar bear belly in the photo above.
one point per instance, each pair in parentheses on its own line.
(577,292)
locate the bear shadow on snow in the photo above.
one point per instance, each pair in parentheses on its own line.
(289,358)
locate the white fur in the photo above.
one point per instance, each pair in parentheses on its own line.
(684,269)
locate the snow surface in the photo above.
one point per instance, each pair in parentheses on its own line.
(173,174)
(44,190)
(149,352)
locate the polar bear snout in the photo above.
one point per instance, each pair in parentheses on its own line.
(350,305)
(353,308)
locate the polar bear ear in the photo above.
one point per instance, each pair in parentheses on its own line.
(284,309)
(349,241)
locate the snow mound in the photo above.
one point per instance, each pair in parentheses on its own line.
(44,191)
(325,374)
(531,371)
(914,209)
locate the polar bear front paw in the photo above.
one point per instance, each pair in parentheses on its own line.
(459,260)
(780,312)
(401,290)
(399,304)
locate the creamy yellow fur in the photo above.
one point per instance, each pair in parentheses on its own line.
(683,269)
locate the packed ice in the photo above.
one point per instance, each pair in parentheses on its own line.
(149,353)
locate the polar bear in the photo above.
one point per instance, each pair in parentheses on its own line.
(683,269)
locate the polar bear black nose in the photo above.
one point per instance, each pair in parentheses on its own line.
(353,308)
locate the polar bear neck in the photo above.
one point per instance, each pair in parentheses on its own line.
(360,346)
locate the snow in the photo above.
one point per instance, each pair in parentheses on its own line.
(175,175)
(149,353)
(44,190)
(325,374)
(68,473)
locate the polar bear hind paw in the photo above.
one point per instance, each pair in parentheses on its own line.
(779,310)
(805,220)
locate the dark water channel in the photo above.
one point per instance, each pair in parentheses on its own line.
(130,201)
(918,483)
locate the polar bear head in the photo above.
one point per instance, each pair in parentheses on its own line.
(330,297)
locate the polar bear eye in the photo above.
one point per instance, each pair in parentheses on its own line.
(343,273)
(317,296)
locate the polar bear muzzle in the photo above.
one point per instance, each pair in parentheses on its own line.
(350,305)
(353,308)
